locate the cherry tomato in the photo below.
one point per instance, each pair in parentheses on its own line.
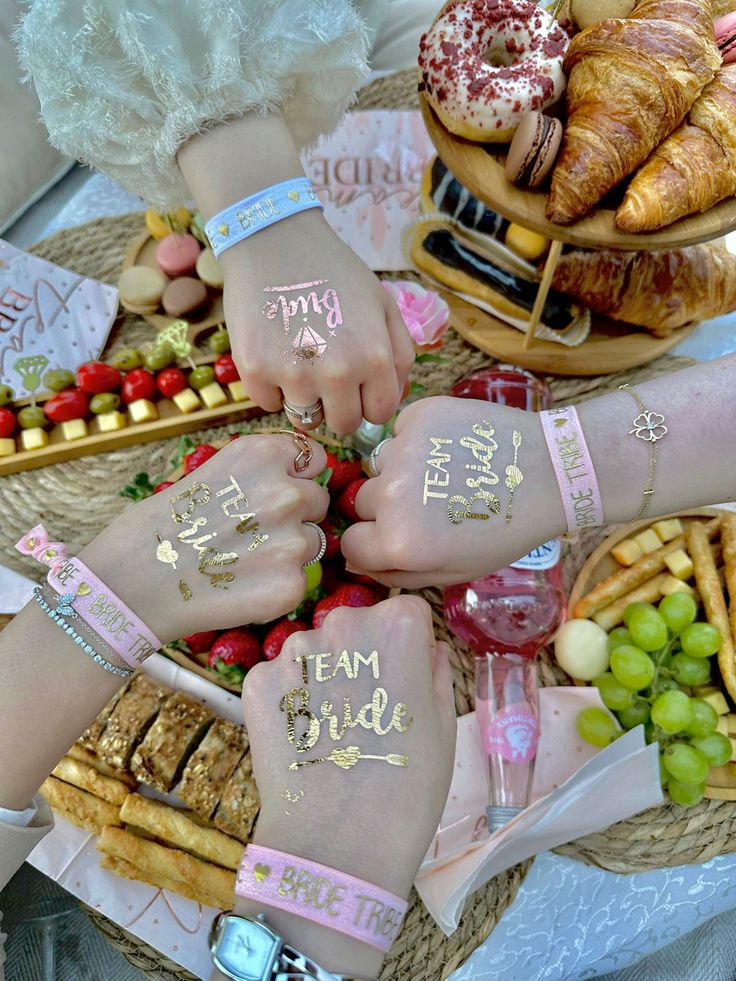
(7,423)
(170,382)
(225,370)
(70,404)
(138,384)
(95,377)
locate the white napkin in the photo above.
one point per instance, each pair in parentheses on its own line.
(15,590)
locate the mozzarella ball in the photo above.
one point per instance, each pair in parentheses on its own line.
(581,649)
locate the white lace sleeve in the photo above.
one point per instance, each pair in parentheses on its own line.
(124,83)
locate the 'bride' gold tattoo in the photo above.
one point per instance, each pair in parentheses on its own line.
(483,453)
(459,507)
(514,476)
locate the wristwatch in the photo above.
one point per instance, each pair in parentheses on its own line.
(249,950)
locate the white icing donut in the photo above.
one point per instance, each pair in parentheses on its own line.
(486,63)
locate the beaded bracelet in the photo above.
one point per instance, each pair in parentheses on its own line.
(62,603)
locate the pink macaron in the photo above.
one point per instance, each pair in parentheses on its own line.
(725,28)
(177,255)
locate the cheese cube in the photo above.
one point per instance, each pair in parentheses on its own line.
(627,552)
(722,725)
(647,541)
(110,422)
(668,529)
(187,400)
(213,395)
(731,723)
(670,584)
(237,391)
(74,429)
(717,700)
(680,564)
(142,410)
(7,447)
(34,439)
(700,690)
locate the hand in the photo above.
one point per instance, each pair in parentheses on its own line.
(451,456)
(363,351)
(374,819)
(222,547)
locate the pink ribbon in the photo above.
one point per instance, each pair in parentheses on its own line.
(36,543)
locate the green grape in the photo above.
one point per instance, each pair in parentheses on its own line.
(615,696)
(636,715)
(126,359)
(632,667)
(104,402)
(704,720)
(632,607)
(700,639)
(596,726)
(647,628)
(199,377)
(690,670)
(617,637)
(58,379)
(686,763)
(159,357)
(663,774)
(685,794)
(671,711)
(678,610)
(6,394)
(664,684)
(219,342)
(31,416)
(715,747)
(313,573)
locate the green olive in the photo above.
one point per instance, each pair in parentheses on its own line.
(58,379)
(159,357)
(126,359)
(6,394)
(219,342)
(104,402)
(31,416)
(199,377)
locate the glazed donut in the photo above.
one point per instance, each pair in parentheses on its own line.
(485,64)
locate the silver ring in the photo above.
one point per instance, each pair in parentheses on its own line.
(323,543)
(373,458)
(308,416)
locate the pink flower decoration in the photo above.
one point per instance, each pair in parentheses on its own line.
(424,312)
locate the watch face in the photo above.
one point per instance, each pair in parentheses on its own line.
(246,950)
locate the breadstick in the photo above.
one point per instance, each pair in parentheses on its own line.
(177,828)
(120,867)
(728,540)
(613,614)
(706,577)
(78,752)
(87,778)
(155,860)
(83,809)
(624,580)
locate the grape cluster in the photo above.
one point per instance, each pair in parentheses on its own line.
(653,657)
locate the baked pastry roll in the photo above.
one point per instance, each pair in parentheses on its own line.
(130,720)
(211,766)
(90,737)
(80,807)
(240,803)
(179,726)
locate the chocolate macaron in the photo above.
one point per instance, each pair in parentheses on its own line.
(533,149)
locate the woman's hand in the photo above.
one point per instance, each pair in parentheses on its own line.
(309,321)
(442,509)
(224,546)
(362,797)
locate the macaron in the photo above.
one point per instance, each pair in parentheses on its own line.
(184,297)
(533,149)
(176,255)
(725,28)
(141,289)
(209,269)
(586,13)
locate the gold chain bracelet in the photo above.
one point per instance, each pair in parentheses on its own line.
(649,426)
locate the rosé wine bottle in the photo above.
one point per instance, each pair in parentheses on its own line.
(506,618)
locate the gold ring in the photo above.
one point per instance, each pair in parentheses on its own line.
(304,456)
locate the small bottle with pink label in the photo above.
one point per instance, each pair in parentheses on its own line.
(506,618)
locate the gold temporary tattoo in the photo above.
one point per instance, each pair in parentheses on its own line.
(194,501)
(438,460)
(346,757)
(186,593)
(292,798)
(165,552)
(325,671)
(246,522)
(514,476)
(459,507)
(288,704)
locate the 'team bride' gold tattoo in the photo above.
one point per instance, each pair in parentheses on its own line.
(306,343)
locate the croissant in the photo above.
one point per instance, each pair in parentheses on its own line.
(631,82)
(657,290)
(693,169)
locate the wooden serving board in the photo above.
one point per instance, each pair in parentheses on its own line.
(600,564)
(480,168)
(610,347)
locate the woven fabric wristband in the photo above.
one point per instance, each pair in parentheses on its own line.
(260,210)
(581,495)
(321,894)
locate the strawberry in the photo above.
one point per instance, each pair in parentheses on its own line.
(348,594)
(344,472)
(198,456)
(234,653)
(277,636)
(202,642)
(333,529)
(346,500)
(164,485)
